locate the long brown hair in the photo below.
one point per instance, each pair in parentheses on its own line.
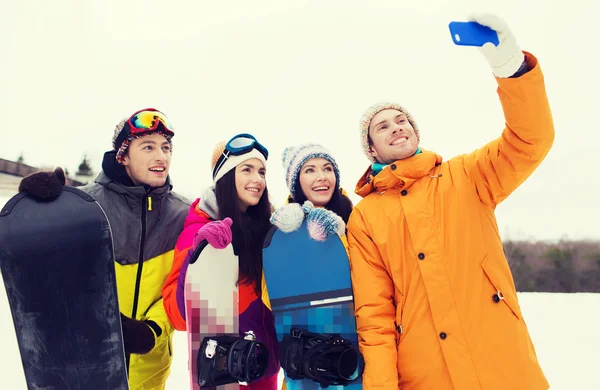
(248,229)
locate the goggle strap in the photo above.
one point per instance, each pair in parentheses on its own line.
(221,161)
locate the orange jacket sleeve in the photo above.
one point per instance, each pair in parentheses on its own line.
(499,167)
(374,309)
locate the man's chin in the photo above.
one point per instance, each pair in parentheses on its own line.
(403,154)
(156,182)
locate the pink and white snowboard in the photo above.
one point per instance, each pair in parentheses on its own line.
(211,303)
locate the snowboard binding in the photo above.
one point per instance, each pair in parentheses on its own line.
(227,359)
(327,359)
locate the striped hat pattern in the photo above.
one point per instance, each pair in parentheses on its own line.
(294,157)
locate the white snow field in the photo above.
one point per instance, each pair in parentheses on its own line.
(565,329)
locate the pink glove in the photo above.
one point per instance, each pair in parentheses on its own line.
(217,233)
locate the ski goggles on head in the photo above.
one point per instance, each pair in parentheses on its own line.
(147,120)
(238,145)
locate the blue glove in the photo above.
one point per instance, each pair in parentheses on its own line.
(322,224)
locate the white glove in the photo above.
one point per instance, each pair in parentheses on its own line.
(506,58)
(288,218)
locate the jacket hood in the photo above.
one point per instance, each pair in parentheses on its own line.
(208,203)
(401,173)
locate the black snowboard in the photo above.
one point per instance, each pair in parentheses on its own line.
(57,264)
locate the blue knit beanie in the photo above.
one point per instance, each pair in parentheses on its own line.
(294,157)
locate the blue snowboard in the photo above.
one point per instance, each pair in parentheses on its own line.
(309,287)
(58,268)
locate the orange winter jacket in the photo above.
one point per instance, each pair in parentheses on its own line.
(435,301)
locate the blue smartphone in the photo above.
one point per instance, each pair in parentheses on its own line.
(472,34)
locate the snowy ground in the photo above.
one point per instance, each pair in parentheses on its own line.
(565,329)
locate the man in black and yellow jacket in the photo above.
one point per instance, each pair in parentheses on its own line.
(146,218)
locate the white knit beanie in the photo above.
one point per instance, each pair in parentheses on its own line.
(232,161)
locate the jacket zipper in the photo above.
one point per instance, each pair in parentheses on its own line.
(138,278)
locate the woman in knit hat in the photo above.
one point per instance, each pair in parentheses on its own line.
(313,179)
(235,209)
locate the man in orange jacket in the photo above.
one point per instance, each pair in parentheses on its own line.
(436,305)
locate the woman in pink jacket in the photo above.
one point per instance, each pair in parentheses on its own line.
(236,209)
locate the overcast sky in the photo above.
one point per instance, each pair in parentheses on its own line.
(292,72)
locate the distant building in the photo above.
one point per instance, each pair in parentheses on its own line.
(11,173)
(84,172)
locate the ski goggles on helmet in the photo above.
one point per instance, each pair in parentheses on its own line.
(239,144)
(147,120)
